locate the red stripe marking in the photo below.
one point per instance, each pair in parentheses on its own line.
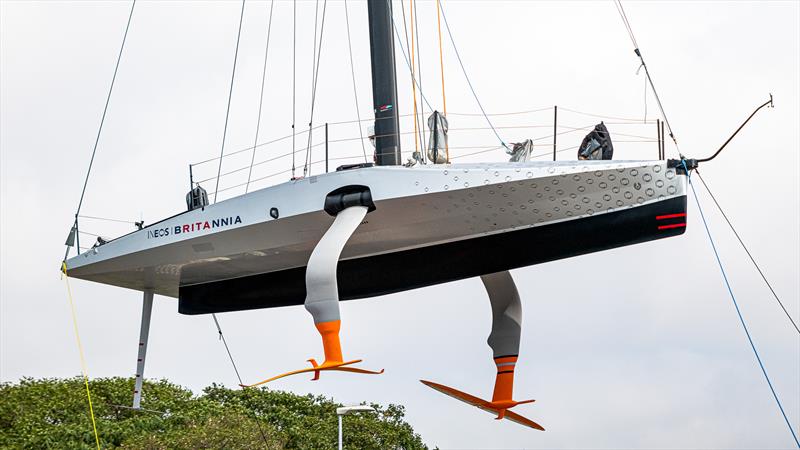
(670,216)
(674,225)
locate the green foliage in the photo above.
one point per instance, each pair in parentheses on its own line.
(53,413)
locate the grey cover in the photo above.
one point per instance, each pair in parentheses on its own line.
(521,151)
(437,142)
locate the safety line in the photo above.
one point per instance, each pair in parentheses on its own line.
(464,70)
(261,97)
(84,369)
(230,95)
(739,313)
(764,277)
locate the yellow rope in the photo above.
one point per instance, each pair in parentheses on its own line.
(441,66)
(84,370)
(413,79)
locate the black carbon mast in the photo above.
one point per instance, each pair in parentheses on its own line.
(384,83)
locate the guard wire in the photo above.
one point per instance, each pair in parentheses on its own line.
(760,272)
(739,313)
(230,95)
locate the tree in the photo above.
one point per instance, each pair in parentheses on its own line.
(53,413)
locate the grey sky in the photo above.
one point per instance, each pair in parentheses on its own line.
(637,347)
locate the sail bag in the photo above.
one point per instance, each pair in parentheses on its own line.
(597,144)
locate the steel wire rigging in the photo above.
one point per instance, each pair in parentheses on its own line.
(624,17)
(261,96)
(466,76)
(73,234)
(315,78)
(230,95)
(353,76)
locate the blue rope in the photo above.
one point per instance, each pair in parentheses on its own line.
(739,313)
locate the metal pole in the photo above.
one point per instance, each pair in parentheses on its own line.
(340,431)
(663,144)
(326,146)
(144,332)
(191,179)
(555,129)
(658,136)
(384,83)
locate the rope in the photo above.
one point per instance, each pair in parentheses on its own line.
(739,313)
(233,363)
(464,70)
(413,72)
(230,95)
(421,117)
(84,369)
(353,76)
(760,272)
(405,55)
(441,66)
(102,120)
(261,97)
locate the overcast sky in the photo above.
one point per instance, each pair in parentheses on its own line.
(637,347)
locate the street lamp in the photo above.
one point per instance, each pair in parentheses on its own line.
(345,410)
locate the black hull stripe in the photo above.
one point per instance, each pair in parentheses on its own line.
(416,268)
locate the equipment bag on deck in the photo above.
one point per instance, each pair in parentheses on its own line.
(597,144)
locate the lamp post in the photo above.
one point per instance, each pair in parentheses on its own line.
(345,410)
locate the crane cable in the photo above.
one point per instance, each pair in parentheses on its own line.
(74,230)
(441,66)
(739,313)
(230,95)
(261,97)
(84,369)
